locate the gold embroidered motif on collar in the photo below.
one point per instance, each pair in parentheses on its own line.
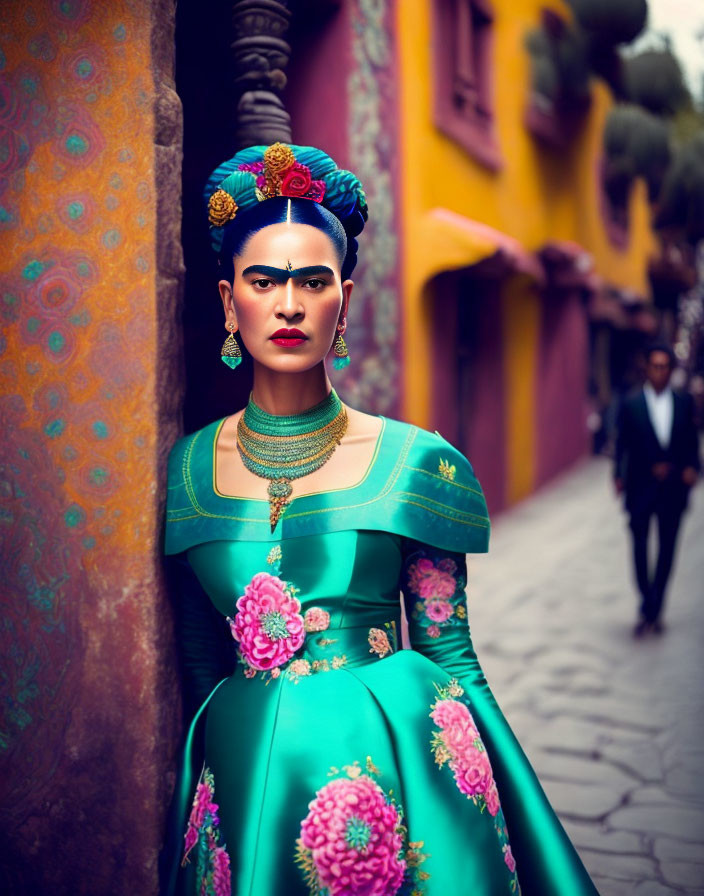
(447,470)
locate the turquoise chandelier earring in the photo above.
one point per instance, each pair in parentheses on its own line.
(231,354)
(342,356)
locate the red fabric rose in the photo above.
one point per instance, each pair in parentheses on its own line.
(297,181)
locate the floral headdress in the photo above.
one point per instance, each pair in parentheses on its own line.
(299,172)
(278,174)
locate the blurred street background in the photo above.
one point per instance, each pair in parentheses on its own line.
(534,171)
(613,726)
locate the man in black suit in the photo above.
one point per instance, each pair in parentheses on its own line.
(657,463)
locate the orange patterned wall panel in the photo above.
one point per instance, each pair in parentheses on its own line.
(84,635)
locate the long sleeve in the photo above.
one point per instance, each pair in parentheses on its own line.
(207,655)
(206,649)
(433,585)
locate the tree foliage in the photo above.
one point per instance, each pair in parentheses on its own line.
(681,205)
(636,144)
(560,62)
(655,131)
(654,80)
(658,93)
(565,55)
(611,22)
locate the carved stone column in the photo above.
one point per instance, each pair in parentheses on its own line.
(260,54)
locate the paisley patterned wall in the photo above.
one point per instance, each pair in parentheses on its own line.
(84,636)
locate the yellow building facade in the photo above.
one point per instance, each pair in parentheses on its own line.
(477,237)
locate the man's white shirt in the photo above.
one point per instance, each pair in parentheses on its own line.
(661,411)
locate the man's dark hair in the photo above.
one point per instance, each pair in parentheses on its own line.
(660,347)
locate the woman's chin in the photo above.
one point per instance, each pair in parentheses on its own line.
(287,361)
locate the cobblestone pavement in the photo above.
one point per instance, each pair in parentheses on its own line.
(613,726)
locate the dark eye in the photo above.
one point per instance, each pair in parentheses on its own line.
(315,283)
(262,282)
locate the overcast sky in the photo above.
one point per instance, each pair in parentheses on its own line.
(683,21)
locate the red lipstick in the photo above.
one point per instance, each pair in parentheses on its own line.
(288,338)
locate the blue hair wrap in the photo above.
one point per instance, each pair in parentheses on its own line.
(251,191)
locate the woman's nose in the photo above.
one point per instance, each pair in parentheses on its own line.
(289,305)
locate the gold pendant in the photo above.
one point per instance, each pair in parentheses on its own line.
(279,492)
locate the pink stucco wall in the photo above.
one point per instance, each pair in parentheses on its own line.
(316,93)
(468,406)
(561,383)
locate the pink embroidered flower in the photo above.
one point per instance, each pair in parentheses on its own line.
(448,565)
(299,669)
(450,712)
(459,738)
(438,610)
(267,624)
(433,631)
(430,581)
(203,822)
(492,801)
(459,741)
(222,883)
(378,642)
(203,804)
(190,839)
(354,838)
(316,619)
(472,773)
(509,859)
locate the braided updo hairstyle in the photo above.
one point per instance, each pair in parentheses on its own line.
(264,185)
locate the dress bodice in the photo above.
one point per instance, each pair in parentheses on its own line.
(351,575)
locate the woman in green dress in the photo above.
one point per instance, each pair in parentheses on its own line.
(329,759)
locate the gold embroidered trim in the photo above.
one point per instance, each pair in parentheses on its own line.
(455,515)
(467,488)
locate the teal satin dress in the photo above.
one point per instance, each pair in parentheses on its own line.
(336,762)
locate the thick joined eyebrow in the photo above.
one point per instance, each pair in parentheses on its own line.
(281,275)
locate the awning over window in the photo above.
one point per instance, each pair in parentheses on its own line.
(451,241)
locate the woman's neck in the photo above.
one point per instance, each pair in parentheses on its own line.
(281,393)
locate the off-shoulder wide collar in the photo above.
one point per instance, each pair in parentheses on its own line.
(417,485)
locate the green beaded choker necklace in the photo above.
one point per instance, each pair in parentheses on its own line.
(284,448)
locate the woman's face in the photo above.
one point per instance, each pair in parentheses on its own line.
(287,297)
